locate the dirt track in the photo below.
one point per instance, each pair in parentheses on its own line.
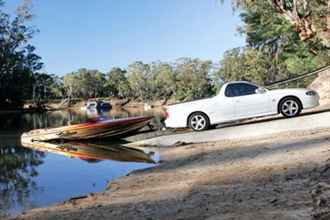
(285,176)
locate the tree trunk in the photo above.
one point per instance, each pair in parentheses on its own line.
(303,24)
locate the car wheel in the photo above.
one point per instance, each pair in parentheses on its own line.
(199,121)
(290,107)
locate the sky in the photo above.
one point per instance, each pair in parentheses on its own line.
(101,34)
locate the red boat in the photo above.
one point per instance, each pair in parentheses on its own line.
(89,130)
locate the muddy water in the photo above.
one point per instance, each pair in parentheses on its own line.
(31,178)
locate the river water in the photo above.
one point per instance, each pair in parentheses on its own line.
(32,178)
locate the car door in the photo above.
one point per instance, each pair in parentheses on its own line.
(249,103)
(223,109)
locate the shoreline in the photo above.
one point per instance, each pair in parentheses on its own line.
(53,105)
(282,176)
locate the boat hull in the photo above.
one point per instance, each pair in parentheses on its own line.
(89,130)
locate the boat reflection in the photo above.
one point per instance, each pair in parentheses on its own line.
(92,152)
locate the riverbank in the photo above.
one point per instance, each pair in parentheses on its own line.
(283,176)
(115,102)
(78,104)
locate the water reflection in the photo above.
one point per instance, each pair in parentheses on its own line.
(35,178)
(91,152)
(17,170)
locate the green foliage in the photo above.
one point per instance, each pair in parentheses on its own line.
(139,75)
(18,61)
(70,85)
(192,79)
(281,43)
(84,83)
(275,49)
(284,39)
(309,19)
(244,64)
(46,86)
(117,84)
(56,88)
(187,79)
(163,81)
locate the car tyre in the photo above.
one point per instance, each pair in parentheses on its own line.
(199,121)
(290,107)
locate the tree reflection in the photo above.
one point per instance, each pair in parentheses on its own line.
(18,165)
(17,169)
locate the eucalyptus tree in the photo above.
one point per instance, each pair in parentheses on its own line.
(71,85)
(84,83)
(276,47)
(192,78)
(93,83)
(18,60)
(310,18)
(56,87)
(117,84)
(163,81)
(139,78)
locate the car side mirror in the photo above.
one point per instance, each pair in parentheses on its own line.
(261,90)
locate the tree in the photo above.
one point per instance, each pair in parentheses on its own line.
(117,84)
(18,61)
(309,18)
(57,87)
(41,86)
(162,81)
(46,86)
(71,85)
(274,48)
(139,75)
(84,83)
(242,64)
(192,78)
(90,82)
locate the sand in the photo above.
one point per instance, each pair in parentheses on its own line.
(285,176)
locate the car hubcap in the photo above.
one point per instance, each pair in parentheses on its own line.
(198,122)
(290,108)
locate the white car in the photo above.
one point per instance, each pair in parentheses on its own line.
(239,100)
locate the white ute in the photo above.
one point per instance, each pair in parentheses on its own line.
(239,100)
